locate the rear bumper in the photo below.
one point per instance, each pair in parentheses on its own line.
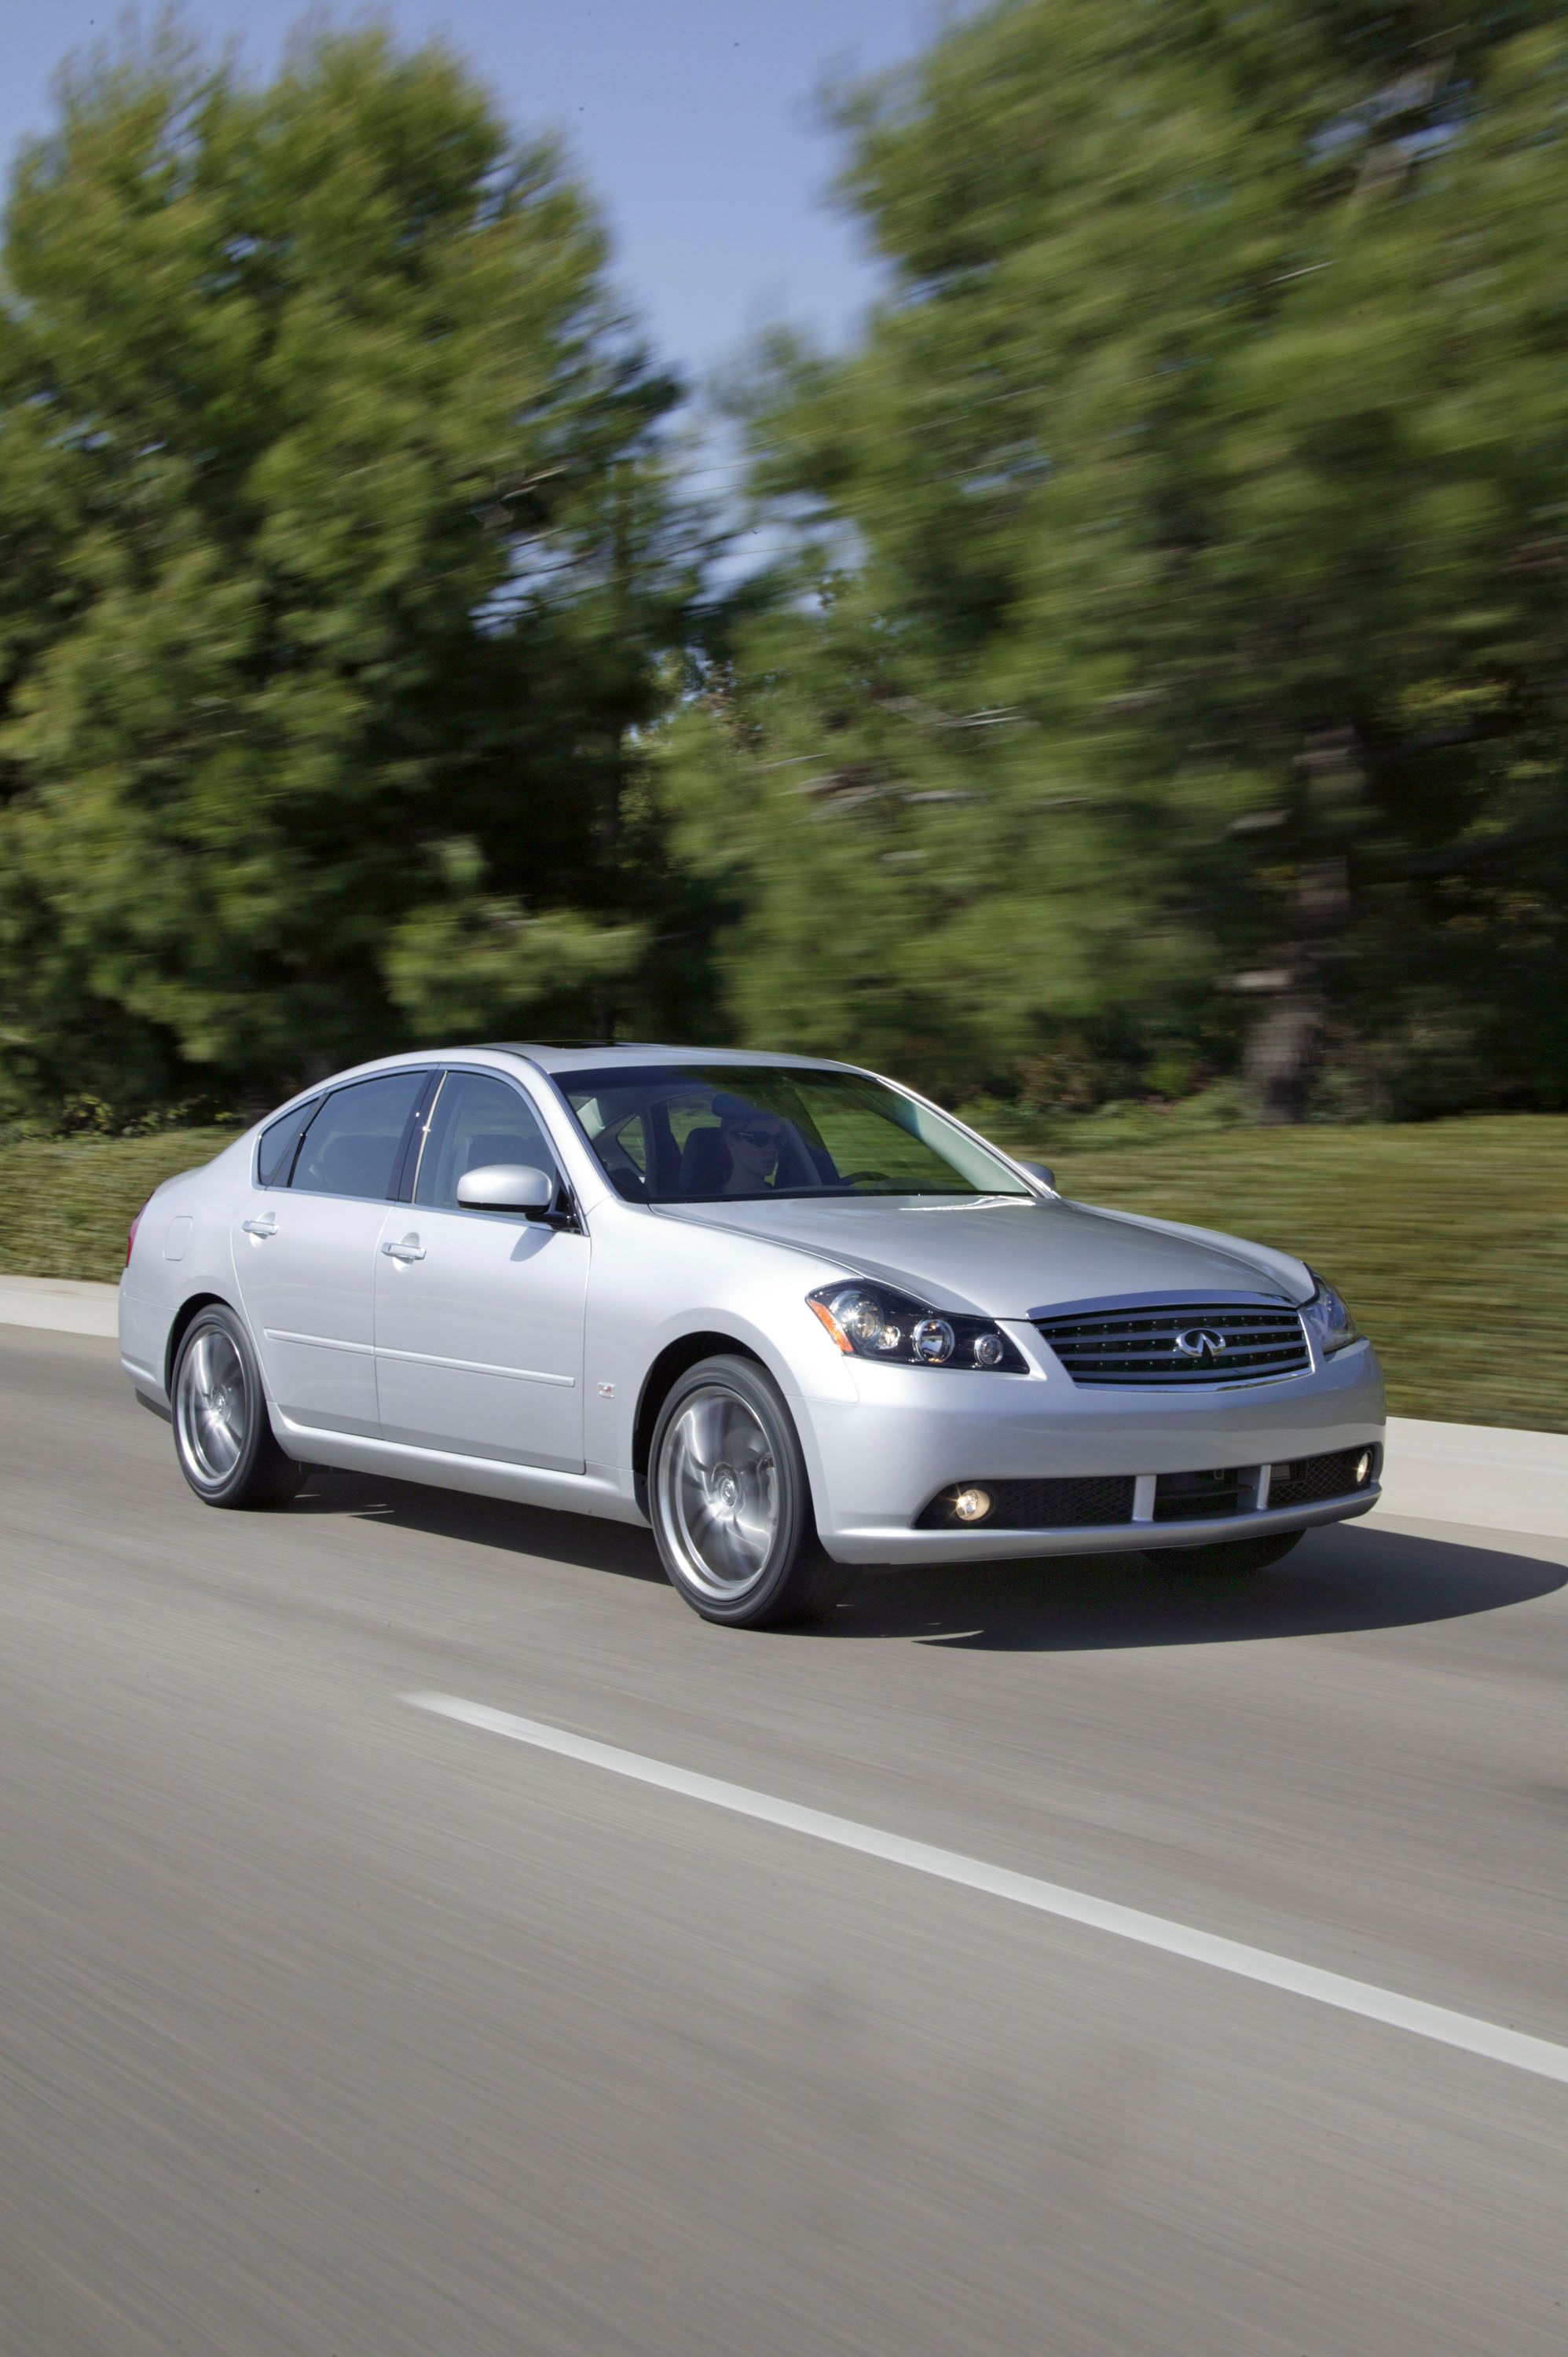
(144,1333)
(877,1461)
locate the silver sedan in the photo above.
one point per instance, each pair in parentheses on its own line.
(788,1313)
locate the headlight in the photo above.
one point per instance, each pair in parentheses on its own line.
(1328,1321)
(870,1321)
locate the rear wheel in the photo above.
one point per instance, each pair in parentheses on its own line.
(730,1503)
(221,1435)
(1235,1557)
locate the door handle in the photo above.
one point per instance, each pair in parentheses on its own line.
(407,1249)
(267,1227)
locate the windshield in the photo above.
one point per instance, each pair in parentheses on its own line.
(711,1132)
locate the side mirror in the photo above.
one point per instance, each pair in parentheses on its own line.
(507,1187)
(1041,1171)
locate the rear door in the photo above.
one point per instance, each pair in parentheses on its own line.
(304,1252)
(479,1314)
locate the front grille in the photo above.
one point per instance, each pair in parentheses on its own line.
(1308,1480)
(1135,1343)
(1077,1502)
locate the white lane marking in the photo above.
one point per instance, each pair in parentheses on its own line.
(1460,2030)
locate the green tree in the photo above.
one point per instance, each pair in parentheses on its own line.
(1172,650)
(339,560)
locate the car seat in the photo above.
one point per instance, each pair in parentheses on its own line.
(704,1163)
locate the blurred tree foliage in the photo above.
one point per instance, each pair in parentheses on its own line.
(1163,675)
(1168,671)
(339,557)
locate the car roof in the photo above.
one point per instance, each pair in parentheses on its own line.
(557,1060)
(631,1053)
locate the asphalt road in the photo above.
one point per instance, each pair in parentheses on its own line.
(329,2026)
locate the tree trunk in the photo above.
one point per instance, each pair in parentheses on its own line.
(1280,1060)
(1278,1063)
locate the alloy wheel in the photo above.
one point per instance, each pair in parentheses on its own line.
(212,1406)
(718,1493)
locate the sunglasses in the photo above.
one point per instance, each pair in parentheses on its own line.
(759,1136)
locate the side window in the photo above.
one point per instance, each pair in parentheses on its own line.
(351,1146)
(623,1132)
(477,1120)
(629,1136)
(275,1145)
(622,1147)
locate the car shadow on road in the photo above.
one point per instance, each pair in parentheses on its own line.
(623,1549)
(1336,1582)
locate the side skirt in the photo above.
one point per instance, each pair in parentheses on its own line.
(596,1491)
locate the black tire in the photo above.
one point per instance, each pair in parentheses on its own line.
(221,1435)
(1231,1558)
(736,1534)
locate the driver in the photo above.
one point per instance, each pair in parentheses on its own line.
(753,1141)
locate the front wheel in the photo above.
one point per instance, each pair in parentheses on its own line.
(1233,1556)
(221,1435)
(730,1503)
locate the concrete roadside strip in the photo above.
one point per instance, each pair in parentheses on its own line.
(1482,1477)
(63,1305)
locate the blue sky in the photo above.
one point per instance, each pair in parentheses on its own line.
(693,120)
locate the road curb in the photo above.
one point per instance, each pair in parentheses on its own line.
(1498,1479)
(1486,1476)
(61,1305)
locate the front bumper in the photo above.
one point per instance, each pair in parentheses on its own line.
(897,1545)
(877,1461)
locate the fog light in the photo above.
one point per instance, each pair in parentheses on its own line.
(1363,1468)
(972,1505)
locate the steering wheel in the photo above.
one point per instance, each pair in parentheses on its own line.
(853,1178)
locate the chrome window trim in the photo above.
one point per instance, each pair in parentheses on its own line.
(425,1130)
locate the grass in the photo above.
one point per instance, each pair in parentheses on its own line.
(1450,1239)
(66,1203)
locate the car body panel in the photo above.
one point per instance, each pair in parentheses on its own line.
(1005,1257)
(453,1345)
(900,1442)
(305,1267)
(155,1288)
(478,1346)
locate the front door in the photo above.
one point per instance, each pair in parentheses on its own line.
(304,1255)
(479,1314)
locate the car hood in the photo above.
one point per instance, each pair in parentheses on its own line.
(1007,1257)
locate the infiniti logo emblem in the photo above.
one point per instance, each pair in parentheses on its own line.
(1201,1342)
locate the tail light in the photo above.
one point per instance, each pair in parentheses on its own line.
(131,1233)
